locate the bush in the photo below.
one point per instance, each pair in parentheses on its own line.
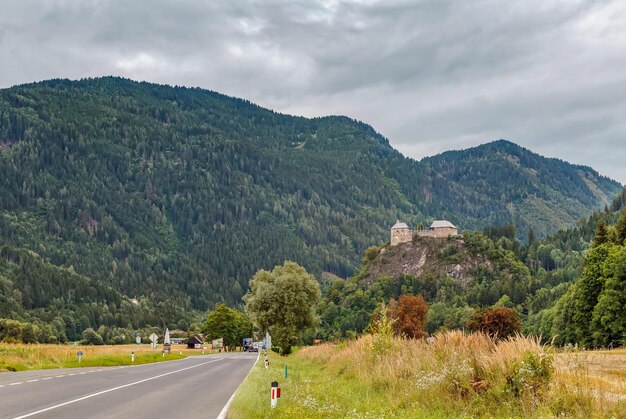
(91,337)
(15,331)
(371,253)
(409,316)
(382,333)
(532,375)
(499,322)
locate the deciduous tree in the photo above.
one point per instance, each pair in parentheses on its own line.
(498,322)
(282,302)
(91,337)
(229,324)
(409,315)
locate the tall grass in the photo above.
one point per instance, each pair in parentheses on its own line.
(466,374)
(20,357)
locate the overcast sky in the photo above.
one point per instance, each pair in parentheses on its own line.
(429,75)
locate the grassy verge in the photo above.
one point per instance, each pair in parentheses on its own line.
(309,391)
(457,375)
(20,357)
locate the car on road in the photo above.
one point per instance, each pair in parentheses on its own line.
(256,347)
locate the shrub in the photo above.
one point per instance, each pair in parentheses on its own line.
(371,253)
(382,333)
(499,322)
(409,316)
(532,375)
(91,337)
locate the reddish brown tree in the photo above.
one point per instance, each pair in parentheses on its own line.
(498,322)
(409,315)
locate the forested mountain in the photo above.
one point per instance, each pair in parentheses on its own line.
(46,303)
(501,183)
(179,195)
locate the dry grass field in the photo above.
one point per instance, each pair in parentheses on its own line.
(600,373)
(20,357)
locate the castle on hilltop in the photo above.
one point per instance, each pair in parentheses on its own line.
(401,233)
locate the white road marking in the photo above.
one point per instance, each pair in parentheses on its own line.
(59,376)
(89,396)
(15,384)
(47,378)
(224,411)
(32,381)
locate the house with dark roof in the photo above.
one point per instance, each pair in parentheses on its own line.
(195,342)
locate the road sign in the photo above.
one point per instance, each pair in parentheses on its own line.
(267,342)
(80,356)
(153,337)
(218,343)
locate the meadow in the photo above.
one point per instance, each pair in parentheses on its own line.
(454,375)
(21,357)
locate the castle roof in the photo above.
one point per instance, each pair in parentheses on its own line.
(442,224)
(400,226)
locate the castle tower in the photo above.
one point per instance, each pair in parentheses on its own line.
(400,233)
(443,228)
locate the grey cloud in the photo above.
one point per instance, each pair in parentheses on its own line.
(431,75)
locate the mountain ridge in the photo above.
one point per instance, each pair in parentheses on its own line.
(188,192)
(503,143)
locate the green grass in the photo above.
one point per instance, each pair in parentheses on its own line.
(311,390)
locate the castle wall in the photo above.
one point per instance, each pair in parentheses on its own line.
(401,236)
(405,235)
(439,232)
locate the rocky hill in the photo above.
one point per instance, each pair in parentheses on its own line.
(427,255)
(454,275)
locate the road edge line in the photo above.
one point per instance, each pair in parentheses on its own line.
(224,411)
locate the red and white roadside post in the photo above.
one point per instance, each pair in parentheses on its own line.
(275,393)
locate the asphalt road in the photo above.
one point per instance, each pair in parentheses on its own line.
(197,387)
